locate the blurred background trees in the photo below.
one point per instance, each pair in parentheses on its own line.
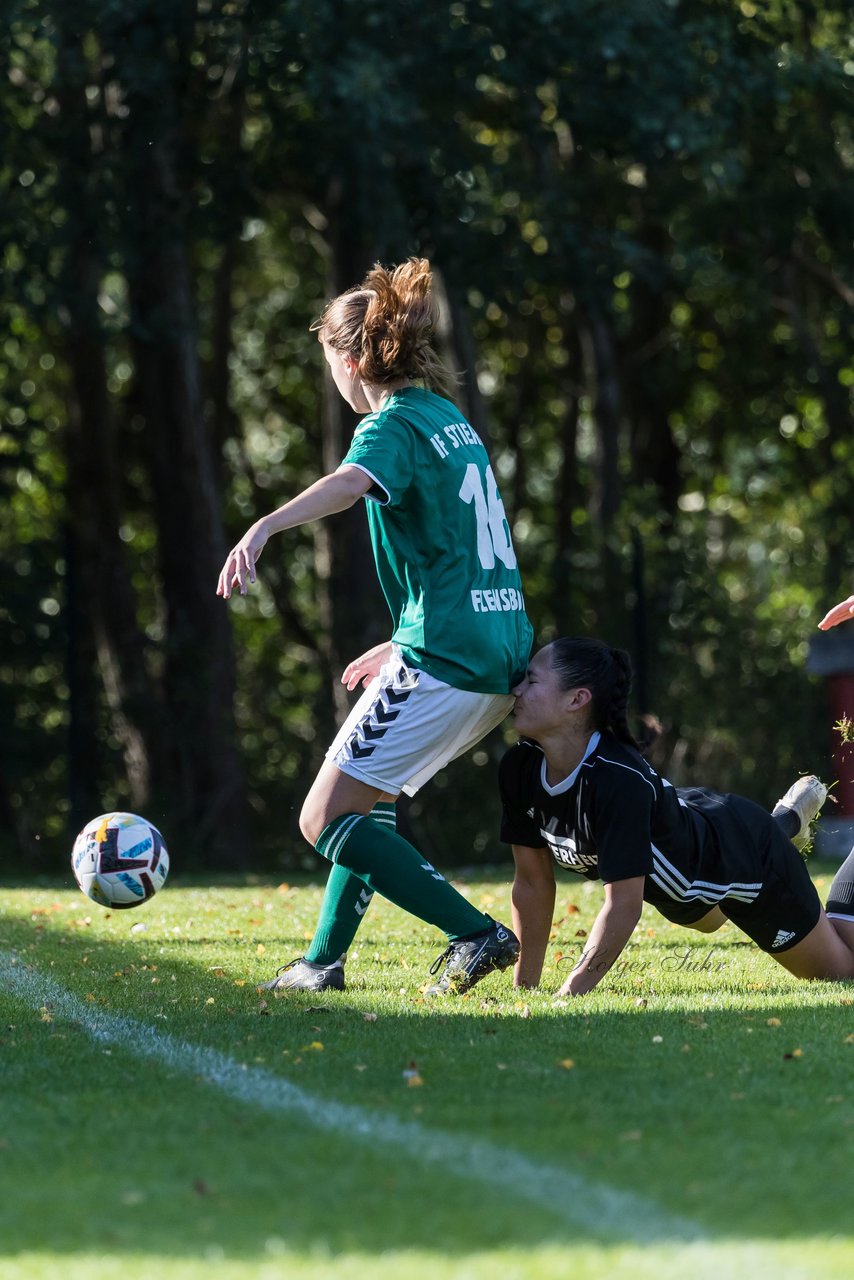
(640,220)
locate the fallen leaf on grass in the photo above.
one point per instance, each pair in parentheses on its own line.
(849,1039)
(412,1076)
(567,1063)
(773,1022)
(315,1047)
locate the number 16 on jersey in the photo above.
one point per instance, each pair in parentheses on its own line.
(493,530)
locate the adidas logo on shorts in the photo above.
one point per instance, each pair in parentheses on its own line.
(782,938)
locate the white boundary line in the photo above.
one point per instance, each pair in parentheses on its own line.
(606,1212)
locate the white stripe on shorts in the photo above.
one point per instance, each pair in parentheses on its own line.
(408,725)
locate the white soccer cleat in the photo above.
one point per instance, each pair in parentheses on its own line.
(804,798)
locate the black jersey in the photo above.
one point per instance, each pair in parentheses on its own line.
(615,818)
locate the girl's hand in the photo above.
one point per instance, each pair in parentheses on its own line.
(839,613)
(239,567)
(362,670)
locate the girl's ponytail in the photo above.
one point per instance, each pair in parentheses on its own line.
(387,325)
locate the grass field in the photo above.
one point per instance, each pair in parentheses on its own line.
(161,1121)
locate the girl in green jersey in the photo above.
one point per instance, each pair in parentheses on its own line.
(460,637)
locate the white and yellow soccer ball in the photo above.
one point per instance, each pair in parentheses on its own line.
(120,860)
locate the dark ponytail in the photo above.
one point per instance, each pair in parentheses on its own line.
(606,672)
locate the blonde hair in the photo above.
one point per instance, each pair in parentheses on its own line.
(386,324)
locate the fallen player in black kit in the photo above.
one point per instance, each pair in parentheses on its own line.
(577,791)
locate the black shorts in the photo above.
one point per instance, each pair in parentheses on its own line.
(786,906)
(684,913)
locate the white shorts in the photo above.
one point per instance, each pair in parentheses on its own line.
(407,726)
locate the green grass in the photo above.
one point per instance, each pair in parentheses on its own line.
(701,1080)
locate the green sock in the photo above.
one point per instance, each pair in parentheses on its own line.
(390,865)
(345,902)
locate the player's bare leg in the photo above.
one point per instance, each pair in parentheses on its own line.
(332,794)
(823,953)
(709,923)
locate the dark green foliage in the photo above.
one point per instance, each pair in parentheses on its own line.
(640,217)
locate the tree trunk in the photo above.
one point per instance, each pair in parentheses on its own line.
(101,605)
(602,374)
(355,613)
(84,755)
(566,496)
(836,522)
(465,359)
(209,802)
(94,514)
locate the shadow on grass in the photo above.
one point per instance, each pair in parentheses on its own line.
(695,1110)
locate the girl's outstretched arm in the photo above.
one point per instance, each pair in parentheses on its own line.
(336,492)
(611,931)
(532,905)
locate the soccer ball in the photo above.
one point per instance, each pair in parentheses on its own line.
(119,860)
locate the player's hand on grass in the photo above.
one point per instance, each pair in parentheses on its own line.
(239,568)
(839,613)
(363,669)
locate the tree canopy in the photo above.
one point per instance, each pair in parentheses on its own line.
(640,222)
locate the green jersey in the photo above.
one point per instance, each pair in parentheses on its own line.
(442,544)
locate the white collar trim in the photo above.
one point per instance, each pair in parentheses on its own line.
(565,785)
